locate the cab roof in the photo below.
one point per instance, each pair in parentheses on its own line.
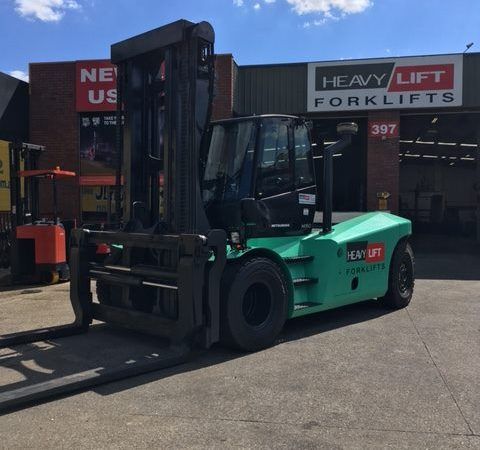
(254,117)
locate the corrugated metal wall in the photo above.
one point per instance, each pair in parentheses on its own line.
(471,80)
(282,88)
(278,89)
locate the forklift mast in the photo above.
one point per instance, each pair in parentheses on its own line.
(165,82)
(24,205)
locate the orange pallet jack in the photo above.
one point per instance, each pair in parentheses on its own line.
(38,245)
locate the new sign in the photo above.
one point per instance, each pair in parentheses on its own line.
(390,83)
(96,86)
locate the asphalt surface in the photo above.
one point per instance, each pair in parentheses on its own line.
(359,377)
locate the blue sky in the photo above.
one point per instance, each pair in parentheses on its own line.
(255,31)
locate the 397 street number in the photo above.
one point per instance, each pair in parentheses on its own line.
(383,129)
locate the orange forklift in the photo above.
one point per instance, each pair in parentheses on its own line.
(38,245)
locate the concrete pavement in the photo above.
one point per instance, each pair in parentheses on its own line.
(359,377)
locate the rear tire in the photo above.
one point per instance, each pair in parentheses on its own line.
(254,304)
(401,280)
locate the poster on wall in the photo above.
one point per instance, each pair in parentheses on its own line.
(387,83)
(95,199)
(97,148)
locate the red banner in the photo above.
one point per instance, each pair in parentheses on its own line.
(96,86)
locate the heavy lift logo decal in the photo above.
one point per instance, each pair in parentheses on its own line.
(363,251)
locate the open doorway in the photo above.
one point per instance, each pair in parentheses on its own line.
(439,175)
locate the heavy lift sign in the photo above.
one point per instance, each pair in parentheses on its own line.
(390,83)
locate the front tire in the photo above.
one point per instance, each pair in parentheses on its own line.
(401,280)
(254,304)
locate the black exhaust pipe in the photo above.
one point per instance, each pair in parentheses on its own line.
(345,130)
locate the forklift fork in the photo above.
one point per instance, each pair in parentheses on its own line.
(199,262)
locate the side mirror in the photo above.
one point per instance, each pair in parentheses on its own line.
(347,129)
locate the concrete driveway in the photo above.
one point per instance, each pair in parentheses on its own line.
(359,377)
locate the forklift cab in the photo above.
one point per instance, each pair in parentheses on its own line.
(261,168)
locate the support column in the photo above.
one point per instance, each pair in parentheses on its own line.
(225,74)
(383,166)
(477,185)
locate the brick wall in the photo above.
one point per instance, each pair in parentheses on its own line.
(224,87)
(54,123)
(383,165)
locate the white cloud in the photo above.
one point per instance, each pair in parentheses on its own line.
(257,6)
(327,6)
(45,10)
(238,2)
(20,74)
(269,1)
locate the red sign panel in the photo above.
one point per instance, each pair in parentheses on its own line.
(96,84)
(375,252)
(383,130)
(422,78)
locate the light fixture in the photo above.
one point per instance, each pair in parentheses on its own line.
(446,143)
(434,120)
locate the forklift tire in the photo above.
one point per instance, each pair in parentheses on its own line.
(401,280)
(254,304)
(50,277)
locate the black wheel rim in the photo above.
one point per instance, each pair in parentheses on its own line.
(405,275)
(257,304)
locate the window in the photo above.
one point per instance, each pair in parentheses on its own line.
(303,159)
(228,168)
(274,174)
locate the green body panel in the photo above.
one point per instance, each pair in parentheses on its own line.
(370,240)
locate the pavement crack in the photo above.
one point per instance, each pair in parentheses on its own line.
(306,425)
(442,377)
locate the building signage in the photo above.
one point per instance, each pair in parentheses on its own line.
(96,86)
(383,129)
(97,148)
(390,83)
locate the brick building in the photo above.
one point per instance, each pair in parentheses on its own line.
(416,152)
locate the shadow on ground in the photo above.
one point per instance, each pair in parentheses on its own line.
(104,348)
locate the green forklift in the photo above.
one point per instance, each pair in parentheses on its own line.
(225,248)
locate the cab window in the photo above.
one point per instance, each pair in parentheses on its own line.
(303,157)
(274,174)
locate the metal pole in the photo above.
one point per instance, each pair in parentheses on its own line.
(55,212)
(328,153)
(119,146)
(327,188)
